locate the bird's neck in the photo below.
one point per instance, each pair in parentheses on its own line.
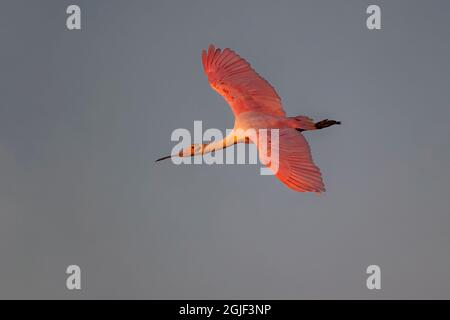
(220,144)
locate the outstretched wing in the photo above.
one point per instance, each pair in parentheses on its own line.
(241,86)
(295,167)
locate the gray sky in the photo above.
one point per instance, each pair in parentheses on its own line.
(83,115)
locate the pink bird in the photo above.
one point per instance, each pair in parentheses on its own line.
(256,105)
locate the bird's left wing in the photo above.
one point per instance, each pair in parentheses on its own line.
(241,86)
(294,167)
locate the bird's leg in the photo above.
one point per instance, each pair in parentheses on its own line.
(320,125)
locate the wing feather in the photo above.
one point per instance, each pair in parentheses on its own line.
(295,167)
(239,84)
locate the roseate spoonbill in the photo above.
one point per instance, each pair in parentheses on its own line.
(256,105)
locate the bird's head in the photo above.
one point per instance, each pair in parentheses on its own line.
(190,151)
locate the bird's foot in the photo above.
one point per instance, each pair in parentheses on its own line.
(326,123)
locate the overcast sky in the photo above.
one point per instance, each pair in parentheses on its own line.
(83,115)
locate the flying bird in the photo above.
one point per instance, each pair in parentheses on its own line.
(256,105)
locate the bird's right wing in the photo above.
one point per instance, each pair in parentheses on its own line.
(295,167)
(241,86)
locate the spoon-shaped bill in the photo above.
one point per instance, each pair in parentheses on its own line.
(163,158)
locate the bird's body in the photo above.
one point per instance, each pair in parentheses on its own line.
(256,105)
(259,120)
